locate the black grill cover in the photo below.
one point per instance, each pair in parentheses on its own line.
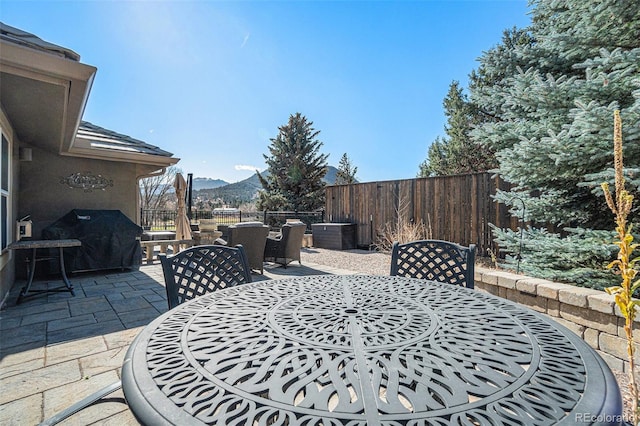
(109,240)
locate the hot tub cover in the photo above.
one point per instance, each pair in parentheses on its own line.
(109,239)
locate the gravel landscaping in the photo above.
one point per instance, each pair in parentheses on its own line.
(368,262)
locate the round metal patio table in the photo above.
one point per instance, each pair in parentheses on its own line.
(363,350)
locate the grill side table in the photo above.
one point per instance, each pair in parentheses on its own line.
(34,245)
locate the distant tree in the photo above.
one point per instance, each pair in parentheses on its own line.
(157,191)
(457,153)
(436,161)
(346,171)
(295,169)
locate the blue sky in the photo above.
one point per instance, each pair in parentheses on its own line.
(211,81)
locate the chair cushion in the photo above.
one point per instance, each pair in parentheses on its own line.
(208,225)
(248,225)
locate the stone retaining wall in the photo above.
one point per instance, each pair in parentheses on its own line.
(591,314)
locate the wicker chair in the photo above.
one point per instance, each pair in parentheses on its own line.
(203,269)
(253,238)
(434,260)
(285,248)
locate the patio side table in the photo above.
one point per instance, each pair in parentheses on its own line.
(363,350)
(34,245)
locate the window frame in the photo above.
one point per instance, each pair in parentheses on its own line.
(5,191)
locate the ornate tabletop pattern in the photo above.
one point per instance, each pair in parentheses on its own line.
(359,350)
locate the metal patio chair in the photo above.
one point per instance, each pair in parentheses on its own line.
(203,269)
(435,260)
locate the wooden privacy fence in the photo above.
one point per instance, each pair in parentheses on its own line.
(454,208)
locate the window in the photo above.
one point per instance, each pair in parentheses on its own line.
(4,194)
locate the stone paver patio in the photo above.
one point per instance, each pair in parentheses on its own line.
(56,349)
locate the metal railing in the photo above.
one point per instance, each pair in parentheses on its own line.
(156,220)
(165,220)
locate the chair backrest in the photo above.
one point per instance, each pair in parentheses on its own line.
(253,238)
(203,269)
(292,234)
(435,260)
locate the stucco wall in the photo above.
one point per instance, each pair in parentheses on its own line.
(591,314)
(43,196)
(46,199)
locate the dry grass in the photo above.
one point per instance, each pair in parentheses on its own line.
(402,230)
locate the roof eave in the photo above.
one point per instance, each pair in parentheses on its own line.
(119,156)
(73,77)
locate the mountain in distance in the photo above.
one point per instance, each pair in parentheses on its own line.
(330,177)
(207,183)
(233,194)
(245,190)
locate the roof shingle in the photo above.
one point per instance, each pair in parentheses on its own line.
(24,38)
(102,138)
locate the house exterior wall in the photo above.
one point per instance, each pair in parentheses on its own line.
(38,190)
(46,198)
(43,96)
(7,266)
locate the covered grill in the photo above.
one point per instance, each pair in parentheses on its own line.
(109,239)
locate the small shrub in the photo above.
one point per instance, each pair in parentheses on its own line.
(402,230)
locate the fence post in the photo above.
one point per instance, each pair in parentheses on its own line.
(189,194)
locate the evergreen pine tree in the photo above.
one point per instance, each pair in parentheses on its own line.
(346,171)
(553,100)
(295,169)
(457,153)
(436,162)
